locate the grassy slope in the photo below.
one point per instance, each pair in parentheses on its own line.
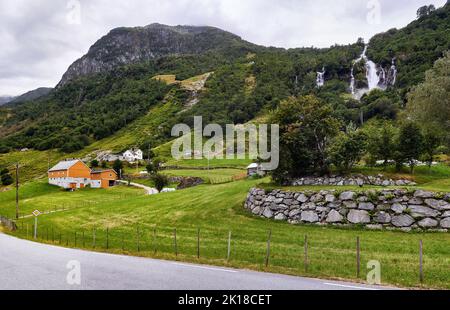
(216,209)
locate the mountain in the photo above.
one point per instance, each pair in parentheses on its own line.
(5,99)
(123,46)
(132,79)
(31,95)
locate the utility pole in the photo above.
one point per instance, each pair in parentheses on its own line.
(17,191)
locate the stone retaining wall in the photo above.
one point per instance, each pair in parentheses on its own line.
(389,209)
(378,180)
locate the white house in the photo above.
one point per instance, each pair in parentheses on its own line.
(133,155)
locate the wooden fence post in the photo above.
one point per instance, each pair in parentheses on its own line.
(60,238)
(83,239)
(155,246)
(268,248)
(47,233)
(123,243)
(93,237)
(421,261)
(107,238)
(75,239)
(229,246)
(306,253)
(358,257)
(198,243)
(137,239)
(175,241)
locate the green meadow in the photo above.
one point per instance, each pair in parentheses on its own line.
(200,219)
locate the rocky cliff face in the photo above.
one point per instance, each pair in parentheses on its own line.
(124,46)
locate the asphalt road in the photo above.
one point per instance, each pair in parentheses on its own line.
(28,265)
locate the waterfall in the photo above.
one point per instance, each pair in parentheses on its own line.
(373,78)
(393,73)
(352,82)
(320,81)
(377,76)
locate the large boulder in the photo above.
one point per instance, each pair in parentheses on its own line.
(366,206)
(358,217)
(423,194)
(428,223)
(294,213)
(280,217)
(383,217)
(316,198)
(398,208)
(309,206)
(438,204)
(334,217)
(445,223)
(330,198)
(350,204)
(309,217)
(403,220)
(421,211)
(302,198)
(347,195)
(256,210)
(268,213)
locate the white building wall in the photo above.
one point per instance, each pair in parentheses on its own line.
(96,183)
(66,181)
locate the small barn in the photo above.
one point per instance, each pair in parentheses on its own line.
(103,178)
(255,169)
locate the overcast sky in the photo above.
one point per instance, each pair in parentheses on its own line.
(41,38)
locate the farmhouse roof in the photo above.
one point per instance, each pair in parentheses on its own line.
(100,171)
(64,165)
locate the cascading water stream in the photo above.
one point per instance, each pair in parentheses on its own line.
(377,77)
(320,81)
(373,79)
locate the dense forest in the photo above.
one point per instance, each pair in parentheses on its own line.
(248,81)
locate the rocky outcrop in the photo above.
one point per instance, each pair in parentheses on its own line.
(360,180)
(123,46)
(389,209)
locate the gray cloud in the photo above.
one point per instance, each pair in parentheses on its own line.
(38,42)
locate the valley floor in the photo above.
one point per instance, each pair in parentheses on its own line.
(194,225)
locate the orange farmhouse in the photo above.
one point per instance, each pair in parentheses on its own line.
(73,174)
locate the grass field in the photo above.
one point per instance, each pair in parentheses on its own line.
(118,216)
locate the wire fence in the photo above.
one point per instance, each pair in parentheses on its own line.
(269,251)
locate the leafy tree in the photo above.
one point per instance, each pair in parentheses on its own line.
(153,167)
(431,142)
(425,10)
(5,177)
(381,141)
(94,163)
(409,145)
(118,166)
(429,102)
(347,149)
(104,164)
(4,149)
(160,181)
(306,127)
